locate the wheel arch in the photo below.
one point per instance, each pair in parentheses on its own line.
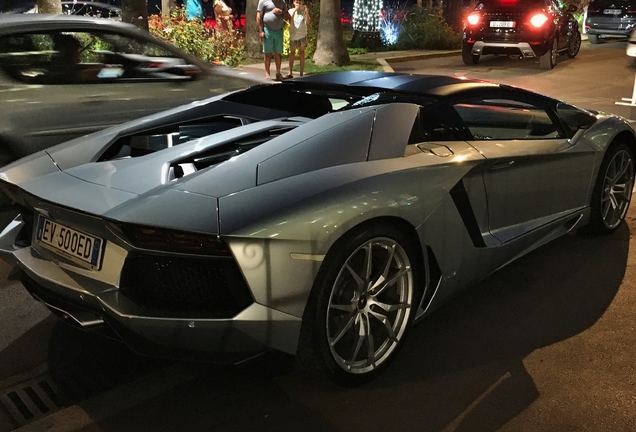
(423,258)
(624,137)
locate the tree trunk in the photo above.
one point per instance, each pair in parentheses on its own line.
(453,13)
(253,44)
(135,12)
(330,47)
(50,6)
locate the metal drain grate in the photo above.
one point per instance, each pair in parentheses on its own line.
(31,400)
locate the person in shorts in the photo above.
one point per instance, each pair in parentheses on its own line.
(299,20)
(270,18)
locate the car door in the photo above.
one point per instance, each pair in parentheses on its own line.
(533,174)
(57,94)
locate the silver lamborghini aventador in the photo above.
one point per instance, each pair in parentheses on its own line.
(321,217)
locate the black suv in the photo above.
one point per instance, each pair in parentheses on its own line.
(524,28)
(610,18)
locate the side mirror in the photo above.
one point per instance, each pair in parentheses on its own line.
(572,8)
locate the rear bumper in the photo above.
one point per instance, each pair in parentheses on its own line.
(608,31)
(253,331)
(523,49)
(101,307)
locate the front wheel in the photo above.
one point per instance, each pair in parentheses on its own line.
(574,45)
(548,60)
(612,191)
(361,305)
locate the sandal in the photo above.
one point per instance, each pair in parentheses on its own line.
(279,77)
(289,76)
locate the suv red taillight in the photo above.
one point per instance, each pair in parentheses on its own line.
(539,20)
(473,18)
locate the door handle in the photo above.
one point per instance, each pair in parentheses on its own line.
(502,164)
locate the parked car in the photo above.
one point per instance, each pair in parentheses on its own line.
(609,18)
(529,28)
(321,216)
(64,76)
(88,8)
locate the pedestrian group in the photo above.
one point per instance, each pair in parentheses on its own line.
(271,16)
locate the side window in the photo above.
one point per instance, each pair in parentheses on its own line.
(85,57)
(437,123)
(504,119)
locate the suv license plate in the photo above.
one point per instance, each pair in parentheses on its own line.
(79,247)
(612,11)
(503,24)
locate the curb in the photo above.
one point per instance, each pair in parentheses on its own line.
(384,61)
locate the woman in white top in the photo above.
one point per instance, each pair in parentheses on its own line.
(298,23)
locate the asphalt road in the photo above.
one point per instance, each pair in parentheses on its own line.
(545,344)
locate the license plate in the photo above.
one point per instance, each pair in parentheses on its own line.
(612,11)
(503,24)
(76,245)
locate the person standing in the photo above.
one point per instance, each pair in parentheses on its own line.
(299,20)
(193,9)
(223,14)
(270,18)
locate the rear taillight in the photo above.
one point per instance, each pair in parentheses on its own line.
(158,239)
(631,10)
(539,20)
(473,18)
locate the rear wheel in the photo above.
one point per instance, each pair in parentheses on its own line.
(612,191)
(467,56)
(548,60)
(594,39)
(361,305)
(575,45)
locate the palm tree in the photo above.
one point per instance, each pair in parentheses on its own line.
(135,12)
(453,13)
(330,48)
(50,6)
(253,44)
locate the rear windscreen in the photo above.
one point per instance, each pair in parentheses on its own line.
(513,3)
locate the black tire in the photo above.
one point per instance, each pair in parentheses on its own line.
(548,60)
(594,39)
(612,191)
(467,55)
(574,45)
(355,322)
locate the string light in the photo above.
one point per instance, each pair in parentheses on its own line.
(366,15)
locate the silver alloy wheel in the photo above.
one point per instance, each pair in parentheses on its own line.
(370,305)
(616,194)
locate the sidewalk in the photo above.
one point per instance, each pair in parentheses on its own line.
(257,70)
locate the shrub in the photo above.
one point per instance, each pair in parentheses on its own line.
(422,29)
(195,38)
